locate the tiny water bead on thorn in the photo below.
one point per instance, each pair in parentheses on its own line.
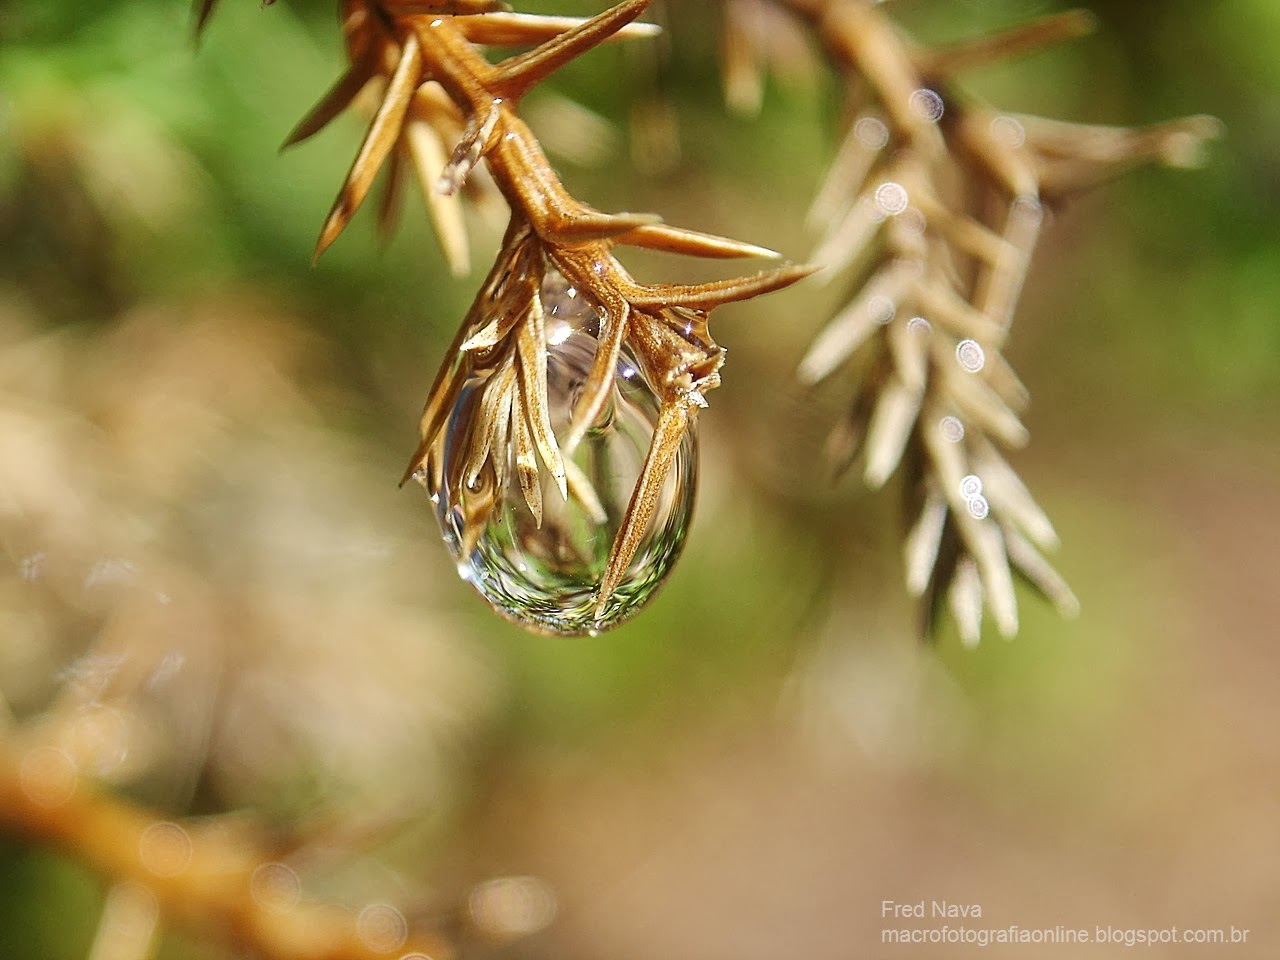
(531,520)
(882,309)
(952,429)
(971,356)
(974,501)
(927,104)
(871,132)
(892,198)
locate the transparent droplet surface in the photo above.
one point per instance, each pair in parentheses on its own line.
(927,104)
(871,132)
(1009,131)
(952,429)
(545,576)
(892,198)
(882,309)
(971,356)
(978,507)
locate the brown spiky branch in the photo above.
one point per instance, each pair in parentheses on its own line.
(935,202)
(442,98)
(441,95)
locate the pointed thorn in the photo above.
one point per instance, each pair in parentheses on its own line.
(334,224)
(339,97)
(1006,44)
(383,133)
(516,29)
(692,243)
(673,422)
(708,296)
(518,74)
(426,150)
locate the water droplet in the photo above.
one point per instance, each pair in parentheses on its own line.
(881,309)
(978,507)
(871,132)
(927,104)
(1009,131)
(952,429)
(891,197)
(971,355)
(971,486)
(545,575)
(921,326)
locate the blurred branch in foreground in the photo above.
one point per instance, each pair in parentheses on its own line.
(213,875)
(191,616)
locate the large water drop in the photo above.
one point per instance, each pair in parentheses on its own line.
(544,573)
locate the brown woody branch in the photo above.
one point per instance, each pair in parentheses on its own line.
(207,875)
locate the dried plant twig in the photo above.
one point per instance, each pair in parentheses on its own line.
(441,96)
(209,875)
(935,202)
(550,230)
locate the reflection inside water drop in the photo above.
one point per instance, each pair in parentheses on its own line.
(545,575)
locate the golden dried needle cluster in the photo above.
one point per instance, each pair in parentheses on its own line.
(445,107)
(934,203)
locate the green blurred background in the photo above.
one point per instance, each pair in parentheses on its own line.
(200,437)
